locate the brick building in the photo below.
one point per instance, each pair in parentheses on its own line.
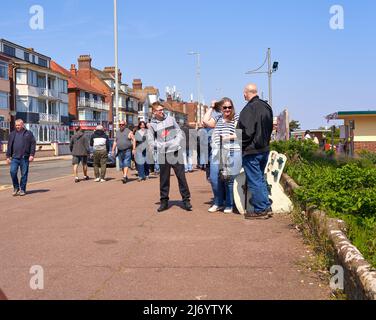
(87,106)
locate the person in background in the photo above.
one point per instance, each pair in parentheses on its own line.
(190,138)
(101,146)
(141,152)
(225,145)
(20,152)
(307,135)
(256,125)
(124,143)
(79,147)
(315,139)
(165,134)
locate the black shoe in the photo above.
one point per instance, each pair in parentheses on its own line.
(76,180)
(86,178)
(269,212)
(125,180)
(187,205)
(256,216)
(163,206)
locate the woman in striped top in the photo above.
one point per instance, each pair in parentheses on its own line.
(231,157)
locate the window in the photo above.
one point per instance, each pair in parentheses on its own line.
(42,62)
(21,76)
(4,100)
(32,78)
(52,108)
(41,82)
(10,51)
(64,109)
(2,119)
(33,105)
(63,86)
(3,70)
(27,56)
(22,104)
(42,108)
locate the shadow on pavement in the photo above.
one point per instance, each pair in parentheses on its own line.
(38,191)
(2,295)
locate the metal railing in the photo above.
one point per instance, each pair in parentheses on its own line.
(48,117)
(4,125)
(90,103)
(48,93)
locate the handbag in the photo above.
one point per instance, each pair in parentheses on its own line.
(224,172)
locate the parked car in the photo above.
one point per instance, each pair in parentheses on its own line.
(111,161)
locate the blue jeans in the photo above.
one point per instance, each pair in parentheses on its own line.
(224,191)
(254,166)
(23,164)
(188,160)
(142,164)
(125,158)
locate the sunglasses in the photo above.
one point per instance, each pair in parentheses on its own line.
(227,108)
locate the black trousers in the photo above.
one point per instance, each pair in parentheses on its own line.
(167,161)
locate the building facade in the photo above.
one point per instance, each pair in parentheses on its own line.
(41,94)
(87,106)
(5,96)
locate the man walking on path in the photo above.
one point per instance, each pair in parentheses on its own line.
(166,135)
(79,147)
(256,123)
(21,151)
(101,145)
(125,143)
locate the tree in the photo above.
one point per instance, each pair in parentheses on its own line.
(294,125)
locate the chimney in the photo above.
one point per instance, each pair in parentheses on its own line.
(111,71)
(84,62)
(137,84)
(73,70)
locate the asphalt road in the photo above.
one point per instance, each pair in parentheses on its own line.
(39,171)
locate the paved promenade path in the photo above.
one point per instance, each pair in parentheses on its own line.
(105,241)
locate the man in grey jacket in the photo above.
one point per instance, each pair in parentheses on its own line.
(79,147)
(165,134)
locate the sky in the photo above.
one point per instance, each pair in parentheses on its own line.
(321,70)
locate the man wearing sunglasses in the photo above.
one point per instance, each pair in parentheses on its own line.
(165,134)
(125,143)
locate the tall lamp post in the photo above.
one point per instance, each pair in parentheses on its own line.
(116,118)
(271,69)
(198,74)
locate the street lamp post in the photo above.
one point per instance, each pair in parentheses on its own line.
(116,118)
(271,69)
(198,73)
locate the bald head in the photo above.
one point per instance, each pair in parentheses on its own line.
(250,91)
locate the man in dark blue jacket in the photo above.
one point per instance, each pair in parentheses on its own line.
(256,125)
(20,152)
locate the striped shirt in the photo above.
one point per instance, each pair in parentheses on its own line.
(224,129)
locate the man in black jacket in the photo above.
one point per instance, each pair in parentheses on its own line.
(20,152)
(256,123)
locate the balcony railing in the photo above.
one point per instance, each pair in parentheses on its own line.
(48,93)
(4,125)
(89,103)
(44,117)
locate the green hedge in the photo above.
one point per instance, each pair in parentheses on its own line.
(344,188)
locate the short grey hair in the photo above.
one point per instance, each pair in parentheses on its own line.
(19,121)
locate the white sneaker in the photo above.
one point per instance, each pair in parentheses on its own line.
(228,210)
(214,209)
(97,180)
(102,180)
